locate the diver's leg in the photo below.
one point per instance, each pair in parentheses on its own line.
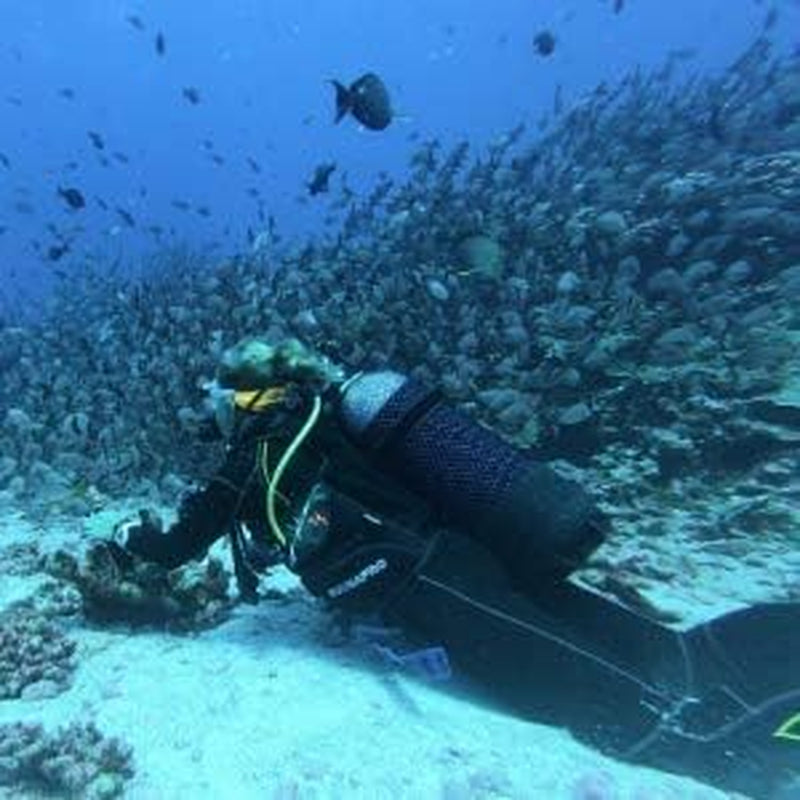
(720,702)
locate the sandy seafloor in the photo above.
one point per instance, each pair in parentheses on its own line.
(267,706)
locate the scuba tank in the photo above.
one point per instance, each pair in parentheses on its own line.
(540,524)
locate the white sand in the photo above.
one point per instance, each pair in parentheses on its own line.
(261,708)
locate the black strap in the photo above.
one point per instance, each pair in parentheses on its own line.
(246,578)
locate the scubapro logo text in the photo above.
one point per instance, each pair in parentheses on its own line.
(360,578)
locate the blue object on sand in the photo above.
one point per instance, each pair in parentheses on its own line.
(430,662)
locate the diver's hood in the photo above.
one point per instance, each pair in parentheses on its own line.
(255,363)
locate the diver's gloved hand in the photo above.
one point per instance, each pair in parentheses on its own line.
(121,545)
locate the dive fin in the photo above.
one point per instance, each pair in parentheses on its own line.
(740,728)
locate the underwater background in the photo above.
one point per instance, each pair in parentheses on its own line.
(582,222)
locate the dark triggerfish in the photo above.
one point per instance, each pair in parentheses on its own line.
(367,99)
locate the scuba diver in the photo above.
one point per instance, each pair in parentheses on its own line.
(387,501)
(348,482)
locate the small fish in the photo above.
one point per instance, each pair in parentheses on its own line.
(203,211)
(770,19)
(126,217)
(367,99)
(67,93)
(5,161)
(191,94)
(682,54)
(135,21)
(544,43)
(161,44)
(181,205)
(558,100)
(56,251)
(716,123)
(254,165)
(121,157)
(218,159)
(618,6)
(72,197)
(319,181)
(96,140)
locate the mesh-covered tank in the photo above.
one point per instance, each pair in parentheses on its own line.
(538,523)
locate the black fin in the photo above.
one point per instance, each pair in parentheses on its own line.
(344,101)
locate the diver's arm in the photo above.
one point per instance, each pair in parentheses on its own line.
(204,516)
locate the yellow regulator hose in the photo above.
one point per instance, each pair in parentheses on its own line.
(286,459)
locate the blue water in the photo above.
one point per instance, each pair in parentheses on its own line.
(455,70)
(213,174)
